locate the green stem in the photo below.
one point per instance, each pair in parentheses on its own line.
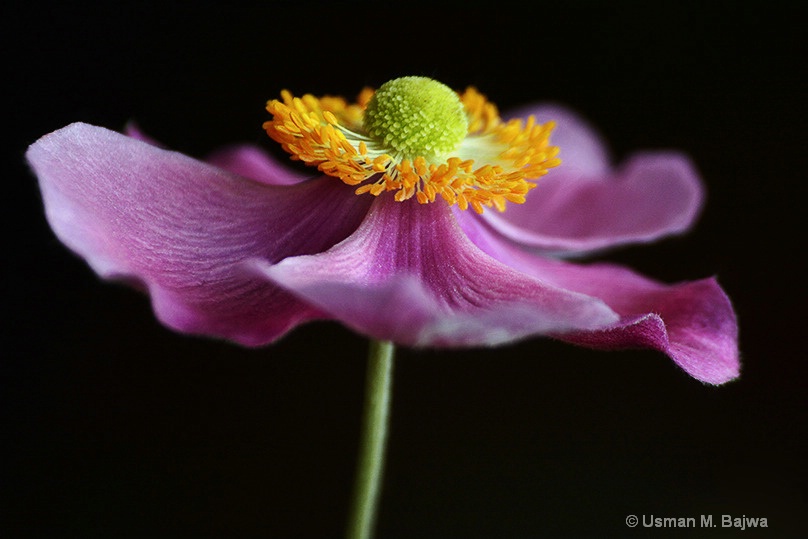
(374,434)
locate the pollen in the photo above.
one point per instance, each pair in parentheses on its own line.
(416,139)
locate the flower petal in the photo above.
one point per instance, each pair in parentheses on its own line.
(692,322)
(254,163)
(133,130)
(583,153)
(243,159)
(410,275)
(182,228)
(651,196)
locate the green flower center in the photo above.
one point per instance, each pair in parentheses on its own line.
(416,116)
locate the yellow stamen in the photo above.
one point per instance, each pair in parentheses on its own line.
(492,165)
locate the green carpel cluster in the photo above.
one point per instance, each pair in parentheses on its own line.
(416,116)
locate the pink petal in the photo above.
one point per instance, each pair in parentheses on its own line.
(410,275)
(254,163)
(243,159)
(693,322)
(583,152)
(183,228)
(651,196)
(133,130)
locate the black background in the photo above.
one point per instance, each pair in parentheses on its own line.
(116,427)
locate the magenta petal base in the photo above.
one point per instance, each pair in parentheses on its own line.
(410,275)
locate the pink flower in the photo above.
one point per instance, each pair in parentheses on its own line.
(241,248)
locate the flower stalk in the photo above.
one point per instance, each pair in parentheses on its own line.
(372,445)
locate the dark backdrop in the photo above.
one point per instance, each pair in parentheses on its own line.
(113,426)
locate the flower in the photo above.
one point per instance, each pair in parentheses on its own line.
(241,248)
